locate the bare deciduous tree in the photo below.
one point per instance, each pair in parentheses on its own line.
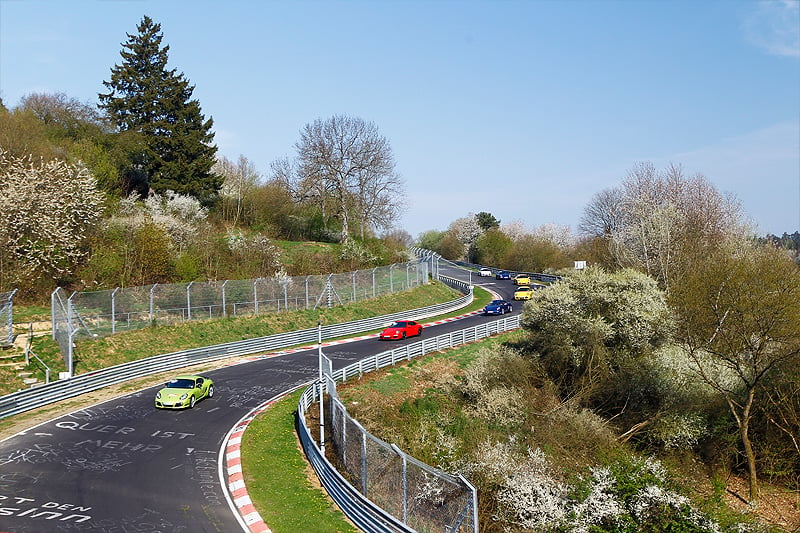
(346,159)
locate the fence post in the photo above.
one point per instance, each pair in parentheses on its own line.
(399,452)
(189,299)
(474,502)
(224,308)
(307,291)
(53,312)
(152,297)
(363,461)
(344,429)
(373,281)
(391,279)
(255,296)
(354,284)
(114,310)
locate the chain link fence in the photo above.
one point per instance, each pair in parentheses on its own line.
(421,496)
(7,317)
(102,313)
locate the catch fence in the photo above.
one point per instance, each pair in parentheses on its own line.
(379,486)
(422,497)
(7,317)
(102,313)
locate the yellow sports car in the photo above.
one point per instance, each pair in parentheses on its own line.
(523,293)
(184,391)
(522,279)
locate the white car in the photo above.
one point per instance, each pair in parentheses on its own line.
(486,272)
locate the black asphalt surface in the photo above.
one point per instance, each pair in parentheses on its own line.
(123,466)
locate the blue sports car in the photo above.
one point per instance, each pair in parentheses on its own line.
(502,274)
(497,307)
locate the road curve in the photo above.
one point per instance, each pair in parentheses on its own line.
(123,466)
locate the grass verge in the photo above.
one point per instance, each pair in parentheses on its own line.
(278,477)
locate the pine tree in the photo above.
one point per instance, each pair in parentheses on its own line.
(147,97)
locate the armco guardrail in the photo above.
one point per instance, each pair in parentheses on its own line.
(25,400)
(362,511)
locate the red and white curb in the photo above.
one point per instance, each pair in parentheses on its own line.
(238,498)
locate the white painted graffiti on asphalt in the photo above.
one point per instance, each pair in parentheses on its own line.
(62,512)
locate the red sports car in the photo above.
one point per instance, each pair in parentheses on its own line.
(401,329)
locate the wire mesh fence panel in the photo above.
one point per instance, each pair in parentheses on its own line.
(204,300)
(364,287)
(268,296)
(106,312)
(169,303)
(239,297)
(341,288)
(352,449)
(423,497)
(436,503)
(131,309)
(383,280)
(384,476)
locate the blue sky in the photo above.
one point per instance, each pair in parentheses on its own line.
(523,109)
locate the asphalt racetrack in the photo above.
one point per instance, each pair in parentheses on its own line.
(123,466)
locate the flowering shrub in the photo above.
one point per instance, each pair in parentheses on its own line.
(629,495)
(255,250)
(530,497)
(180,216)
(48,210)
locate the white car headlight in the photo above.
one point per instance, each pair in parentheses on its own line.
(184,395)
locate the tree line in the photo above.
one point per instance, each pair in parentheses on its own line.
(681,297)
(131,190)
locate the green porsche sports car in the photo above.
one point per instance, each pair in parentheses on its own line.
(184,391)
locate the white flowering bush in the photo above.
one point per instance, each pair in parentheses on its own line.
(433,436)
(48,210)
(491,386)
(180,216)
(257,251)
(679,431)
(356,253)
(630,495)
(530,497)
